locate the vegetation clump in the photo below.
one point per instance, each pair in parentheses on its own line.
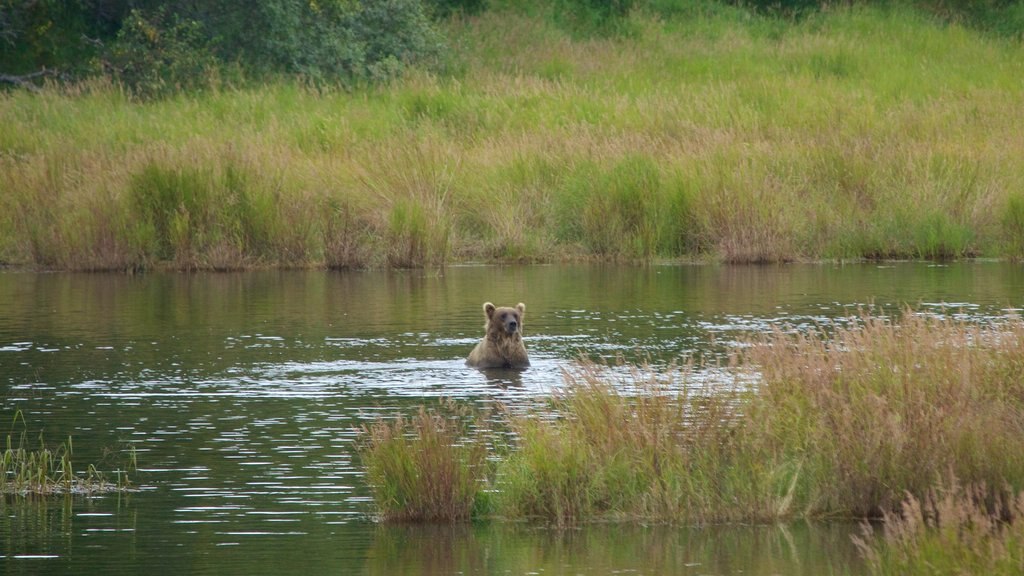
(157,48)
(431,475)
(953,529)
(45,471)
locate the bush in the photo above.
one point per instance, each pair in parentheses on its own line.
(155,47)
(48,34)
(392,35)
(160,53)
(602,17)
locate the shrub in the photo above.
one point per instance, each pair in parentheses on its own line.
(445,8)
(156,47)
(602,17)
(49,34)
(160,53)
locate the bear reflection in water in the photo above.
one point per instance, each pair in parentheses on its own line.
(502,344)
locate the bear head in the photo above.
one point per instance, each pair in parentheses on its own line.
(504,321)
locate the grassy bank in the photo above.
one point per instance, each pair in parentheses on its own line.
(845,424)
(703,132)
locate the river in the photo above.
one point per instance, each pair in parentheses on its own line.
(242,395)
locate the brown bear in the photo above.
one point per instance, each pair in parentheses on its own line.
(502,346)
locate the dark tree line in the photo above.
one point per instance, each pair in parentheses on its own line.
(154,45)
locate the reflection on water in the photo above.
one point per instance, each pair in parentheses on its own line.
(604,549)
(242,394)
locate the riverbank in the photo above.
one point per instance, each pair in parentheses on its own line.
(715,135)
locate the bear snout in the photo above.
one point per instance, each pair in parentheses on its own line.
(512,326)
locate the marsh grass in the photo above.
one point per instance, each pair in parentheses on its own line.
(889,407)
(953,529)
(1013,226)
(706,132)
(45,471)
(424,467)
(842,421)
(654,451)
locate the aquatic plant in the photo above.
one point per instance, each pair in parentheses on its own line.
(653,447)
(43,471)
(953,529)
(423,468)
(889,406)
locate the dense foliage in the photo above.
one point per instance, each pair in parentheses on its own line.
(153,46)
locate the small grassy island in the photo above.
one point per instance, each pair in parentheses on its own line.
(49,471)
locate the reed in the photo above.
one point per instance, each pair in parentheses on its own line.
(649,448)
(423,468)
(890,406)
(953,529)
(45,471)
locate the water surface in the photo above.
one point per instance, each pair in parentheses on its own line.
(242,394)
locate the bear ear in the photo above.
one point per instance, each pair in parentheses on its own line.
(522,308)
(488,309)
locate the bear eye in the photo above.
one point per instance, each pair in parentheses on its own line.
(504,315)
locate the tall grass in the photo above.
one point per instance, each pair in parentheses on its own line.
(843,422)
(888,407)
(705,132)
(661,455)
(952,529)
(431,476)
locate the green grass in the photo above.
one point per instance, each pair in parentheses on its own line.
(658,456)
(432,476)
(840,423)
(701,132)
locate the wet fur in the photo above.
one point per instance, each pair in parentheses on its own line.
(500,348)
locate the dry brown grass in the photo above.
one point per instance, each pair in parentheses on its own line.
(953,529)
(891,406)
